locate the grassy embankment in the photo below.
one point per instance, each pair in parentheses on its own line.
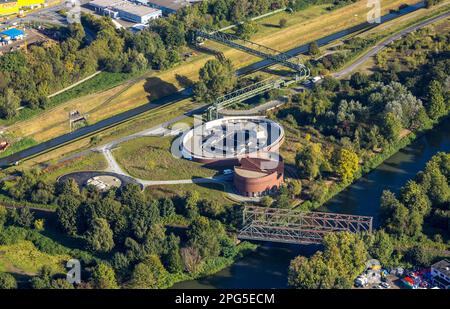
(150,158)
(107,103)
(304,26)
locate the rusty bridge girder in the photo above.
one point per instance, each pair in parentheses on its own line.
(290,226)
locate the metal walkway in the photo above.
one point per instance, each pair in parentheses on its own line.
(290,226)
(292,62)
(244,94)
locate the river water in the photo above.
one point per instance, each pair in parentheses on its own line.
(267,266)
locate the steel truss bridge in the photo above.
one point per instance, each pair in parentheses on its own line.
(244,94)
(256,49)
(290,226)
(301,72)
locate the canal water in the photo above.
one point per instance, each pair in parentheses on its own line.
(267,266)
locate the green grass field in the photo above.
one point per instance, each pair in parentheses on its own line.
(93,161)
(212,192)
(150,158)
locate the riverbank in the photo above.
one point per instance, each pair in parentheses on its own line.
(267,266)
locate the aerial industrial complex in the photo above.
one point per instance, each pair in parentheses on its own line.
(145,143)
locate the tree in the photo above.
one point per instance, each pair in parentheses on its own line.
(167,208)
(100,237)
(191,204)
(342,259)
(391,126)
(314,49)
(142,277)
(216,78)
(172,258)
(211,209)
(309,160)
(143,218)
(3,217)
(25,217)
(9,103)
(394,214)
(266,201)
(382,248)
(439,191)
(68,186)
(436,106)
(7,281)
(246,29)
(67,213)
(39,224)
(414,198)
(358,80)
(204,236)
(282,23)
(282,199)
(191,259)
(348,165)
(103,277)
(295,187)
(420,255)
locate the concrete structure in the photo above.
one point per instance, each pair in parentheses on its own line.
(140,14)
(249,144)
(255,177)
(169,6)
(440,272)
(223,142)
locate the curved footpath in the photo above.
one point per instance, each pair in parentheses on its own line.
(184,94)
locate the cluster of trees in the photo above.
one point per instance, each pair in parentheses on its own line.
(341,261)
(424,199)
(400,241)
(27,78)
(129,231)
(217,77)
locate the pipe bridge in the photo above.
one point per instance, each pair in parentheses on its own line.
(257,50)
(244,94)
(290,226)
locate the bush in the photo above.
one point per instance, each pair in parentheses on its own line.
(7,282)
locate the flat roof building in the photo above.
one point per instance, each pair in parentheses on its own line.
(140,14)
(12,34)
(169,6)
(441,274)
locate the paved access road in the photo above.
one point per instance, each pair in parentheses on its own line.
(386,42)
(181,95)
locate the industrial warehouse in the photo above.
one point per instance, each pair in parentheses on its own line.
(125,10)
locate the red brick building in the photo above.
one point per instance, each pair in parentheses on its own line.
(256,177)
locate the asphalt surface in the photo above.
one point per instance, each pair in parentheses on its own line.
(184,94)
(386,42)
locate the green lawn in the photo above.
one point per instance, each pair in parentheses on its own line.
(150,158)
(93,161)
(211,192)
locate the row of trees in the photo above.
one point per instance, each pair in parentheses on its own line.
(424,199)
